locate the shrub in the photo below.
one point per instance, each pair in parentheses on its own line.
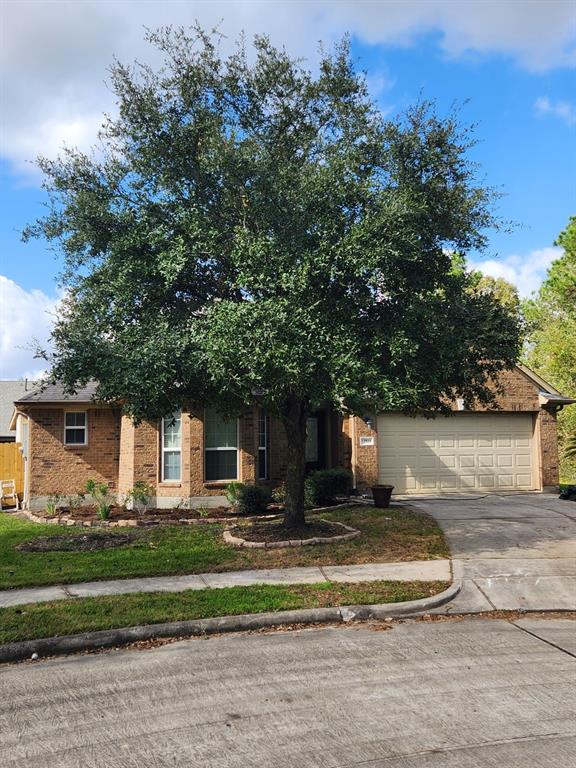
(139,495)
(74,501)
(326,484)
(53,503)
(233,491)
(279,495)
(248,499)
(569,493)
(100,494)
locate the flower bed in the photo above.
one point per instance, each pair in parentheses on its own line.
(273,535)
(120,517)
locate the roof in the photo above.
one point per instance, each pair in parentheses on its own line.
(9,392)
(548,394)
(54,393)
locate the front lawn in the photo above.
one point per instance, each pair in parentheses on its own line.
(67,617)
(387,535)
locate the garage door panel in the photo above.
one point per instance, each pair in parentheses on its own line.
(464,452)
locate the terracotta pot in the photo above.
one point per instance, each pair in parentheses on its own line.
(381,495)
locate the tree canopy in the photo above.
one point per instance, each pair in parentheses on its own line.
(248,229)
(551,347)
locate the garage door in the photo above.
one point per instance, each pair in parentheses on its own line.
(460,453)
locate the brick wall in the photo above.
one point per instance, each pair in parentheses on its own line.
(120,453)
(518,394)
(140,458)
(57,468)
(548,439)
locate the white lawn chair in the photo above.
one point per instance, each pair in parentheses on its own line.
(9,496)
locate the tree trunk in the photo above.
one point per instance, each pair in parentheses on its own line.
(294,416)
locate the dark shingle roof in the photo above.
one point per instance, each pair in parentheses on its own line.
(54,393)
(9,392)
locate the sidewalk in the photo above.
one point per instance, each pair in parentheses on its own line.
(420,570)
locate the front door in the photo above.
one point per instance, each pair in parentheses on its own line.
(316,442)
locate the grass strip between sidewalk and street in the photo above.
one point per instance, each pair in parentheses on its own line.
(386,536)
(67,617)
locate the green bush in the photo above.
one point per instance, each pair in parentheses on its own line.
(233,491)
(139,496)
(325,485)
(252,500)
(53,503)
(248,499)
(101,496)
(279,495)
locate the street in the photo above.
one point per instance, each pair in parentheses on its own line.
(451,693)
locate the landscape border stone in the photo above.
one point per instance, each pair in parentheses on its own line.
(137,522)
(109,638)
(238,541)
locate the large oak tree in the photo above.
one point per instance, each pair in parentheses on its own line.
(250,230)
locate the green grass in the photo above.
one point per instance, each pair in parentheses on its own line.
(66,617)
(386,536)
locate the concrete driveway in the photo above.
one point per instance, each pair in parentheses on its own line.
(513,552)
(455,693)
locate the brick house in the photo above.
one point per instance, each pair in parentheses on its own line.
(190,456)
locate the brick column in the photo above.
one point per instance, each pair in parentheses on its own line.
(549,462)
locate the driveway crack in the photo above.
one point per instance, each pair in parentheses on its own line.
(543,640)
(483,593)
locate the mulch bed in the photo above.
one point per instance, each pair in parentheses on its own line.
(86,542)
(272,532)
(82,514)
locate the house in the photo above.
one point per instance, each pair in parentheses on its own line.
(11,461)
(190,456)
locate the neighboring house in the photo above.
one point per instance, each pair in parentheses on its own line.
(10,391)
(11,461)
(191,456)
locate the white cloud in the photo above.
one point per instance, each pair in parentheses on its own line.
(26,319)
(561,109)
(54,53)
(526,272)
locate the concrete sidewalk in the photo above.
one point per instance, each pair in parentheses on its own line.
(420,570)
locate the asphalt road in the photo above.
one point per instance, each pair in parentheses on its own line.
(471,693)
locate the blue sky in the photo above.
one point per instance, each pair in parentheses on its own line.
(513,63)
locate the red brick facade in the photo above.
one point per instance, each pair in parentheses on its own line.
(57,468)
(121,453)
(517,393)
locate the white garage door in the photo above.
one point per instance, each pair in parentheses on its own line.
(460,453)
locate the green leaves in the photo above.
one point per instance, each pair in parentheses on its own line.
(250,227)
(551,349)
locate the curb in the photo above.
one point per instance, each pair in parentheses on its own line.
(108,638)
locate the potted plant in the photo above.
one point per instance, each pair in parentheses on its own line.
(381,495)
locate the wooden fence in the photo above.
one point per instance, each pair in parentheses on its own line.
(12,465)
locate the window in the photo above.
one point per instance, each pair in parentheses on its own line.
(172,447)
(263,444)
(76,428)
(220,447)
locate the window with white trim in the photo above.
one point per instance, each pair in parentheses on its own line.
(172,447)
(220,447)
(263,444)
(75,428)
